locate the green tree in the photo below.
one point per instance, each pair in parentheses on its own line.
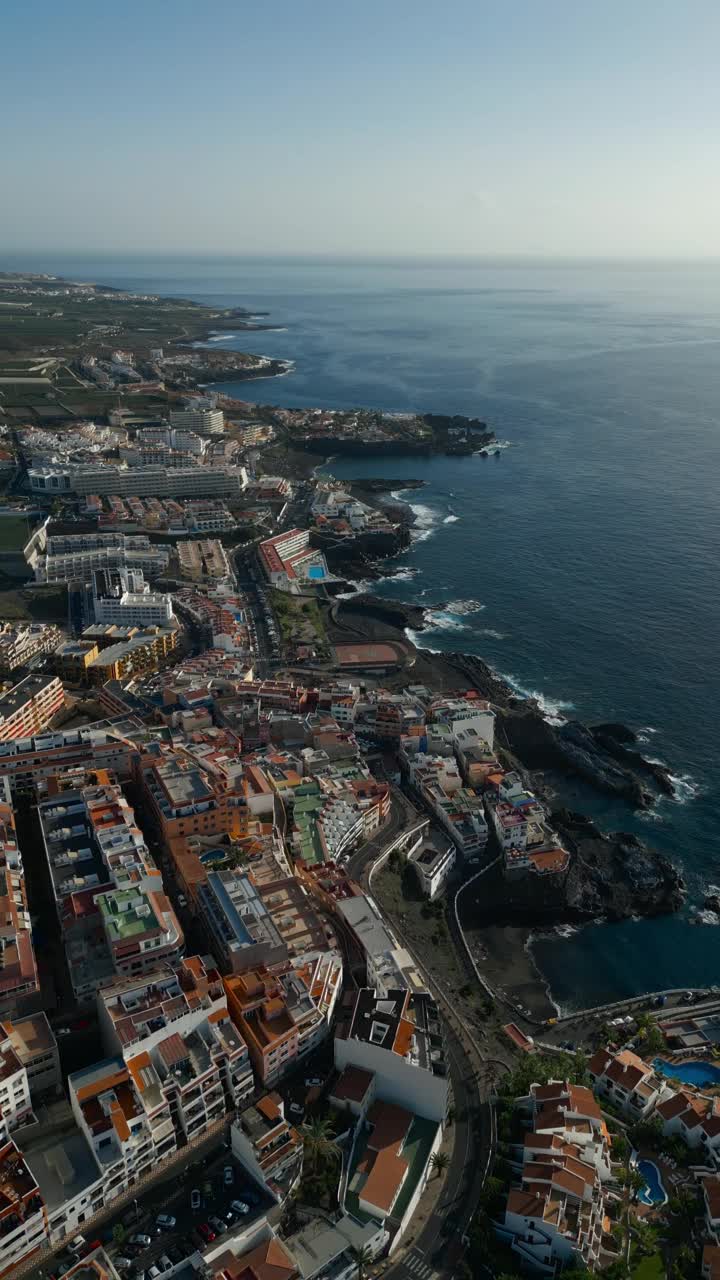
(119,1233)
(620,1148)
(439,1161)
(362,1257)
(318,1145)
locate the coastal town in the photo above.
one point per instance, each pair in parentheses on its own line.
(250,838)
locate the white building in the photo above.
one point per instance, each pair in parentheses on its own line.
(270,1149)
(433,866)
(398,1038)
(207,422)
(122,596)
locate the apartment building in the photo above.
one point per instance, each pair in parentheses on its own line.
(241,932)
(78,555)
(397,1037)
(695,1119)
(113,912)
(23,1219)
(112,1118)
(15,1101)
(73,659)
(137,1014)
(28,761)
(432,864)
(141,482)
(203,560)
(469,717)
(19,644)
(29,706)
(522,830)
(35,1047)
(269,1148)
(141,929)
(439,784)
(555,1217)
(283,1015)
(205,422)
(290,563)
(122,596)
(19,982)
(628,1082)
(142,654)
(186,800)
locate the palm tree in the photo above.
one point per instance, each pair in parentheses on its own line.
(439,1161)
(318,1143)
(362,1256)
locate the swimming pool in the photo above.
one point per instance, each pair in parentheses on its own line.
(653,1192)
(213,857)
(697,1073)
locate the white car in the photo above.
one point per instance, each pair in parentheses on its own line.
(312,1082)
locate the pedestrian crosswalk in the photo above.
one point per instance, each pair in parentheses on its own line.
(418,1267)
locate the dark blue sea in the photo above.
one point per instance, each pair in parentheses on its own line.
(589,549)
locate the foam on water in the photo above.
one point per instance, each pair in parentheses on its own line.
(550,708)
(444,621)
(418,639)
(464,606)
(451,519)
(425,521)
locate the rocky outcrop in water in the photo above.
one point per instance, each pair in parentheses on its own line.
(615,875)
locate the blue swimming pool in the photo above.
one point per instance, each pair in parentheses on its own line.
(213,856)
(697,1073)
(653,1192)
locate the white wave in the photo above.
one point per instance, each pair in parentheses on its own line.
(685,787)
(417,638)
(451,519)
(645,733)
(462,607)
(713,889)
(550,708)
(566,930)
(357,586)
(708,917)
(490,631)
(425,521)
(444,622)
(406,574)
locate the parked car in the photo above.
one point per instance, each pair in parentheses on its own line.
(123,1264)
(239,1206)
(228,1175)
(140,1240)
(206,1232)
(154,1272)
(165,1263)
(312,1082)
(217,1225)
(195,1200)
(166,1222)
(77,1244)
(296,1109)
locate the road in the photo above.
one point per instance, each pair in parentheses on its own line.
(434,1251)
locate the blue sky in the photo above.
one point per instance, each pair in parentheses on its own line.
(359,127)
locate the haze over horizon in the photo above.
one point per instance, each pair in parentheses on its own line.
(542,130)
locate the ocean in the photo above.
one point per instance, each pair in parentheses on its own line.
(581,563)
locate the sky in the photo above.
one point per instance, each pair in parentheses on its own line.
(362,127)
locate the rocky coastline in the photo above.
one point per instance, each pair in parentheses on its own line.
(611,875)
